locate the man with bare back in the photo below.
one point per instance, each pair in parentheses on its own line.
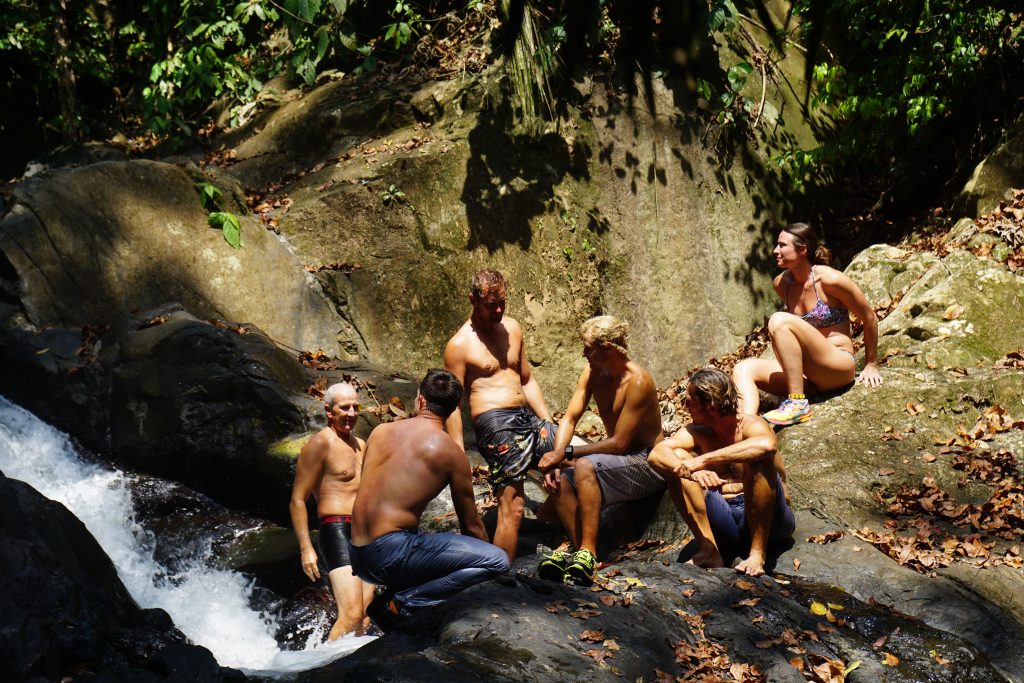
(328,469)
(512,423)
(583,479)
(408,463)
(725,476)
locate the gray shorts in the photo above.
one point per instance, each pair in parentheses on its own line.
(622,477)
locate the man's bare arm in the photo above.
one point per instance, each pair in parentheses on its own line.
(567,425)
(664,456)
(758,443)
(308,472)
(463,499)
(455,363)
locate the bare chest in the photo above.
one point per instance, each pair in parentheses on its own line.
(487,359)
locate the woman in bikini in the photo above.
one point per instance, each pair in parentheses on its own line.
(811,339)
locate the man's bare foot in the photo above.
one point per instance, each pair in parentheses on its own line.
(752,566)
(339,630)
(707,558)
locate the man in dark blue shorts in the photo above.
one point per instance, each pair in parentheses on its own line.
(725,476)
(407,464)
(512,423)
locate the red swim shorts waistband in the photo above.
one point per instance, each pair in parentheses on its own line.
(334,519)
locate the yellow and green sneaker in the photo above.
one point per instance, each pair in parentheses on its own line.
(581,570)
(553,566)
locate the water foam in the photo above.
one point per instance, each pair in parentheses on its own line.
(210,606)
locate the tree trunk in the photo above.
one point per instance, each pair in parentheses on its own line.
(66,96)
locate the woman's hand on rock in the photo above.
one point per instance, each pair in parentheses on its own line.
(870,376)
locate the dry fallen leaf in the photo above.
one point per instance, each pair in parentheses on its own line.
(818,609)
(796,564)
(879,643)
(749,602)
(886,471)
(592,636)
(611,645)
(599,655)
(953,312)
(928,457)
(890,659)
(688,593)
(744,585)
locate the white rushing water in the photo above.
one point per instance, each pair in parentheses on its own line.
(210,606)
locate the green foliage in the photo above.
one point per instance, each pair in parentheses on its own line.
(910,80)
(392,195)
(229,225)
(165,63)
(209,197)
(404,25)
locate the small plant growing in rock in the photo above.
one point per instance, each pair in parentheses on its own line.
(392,195)
(209,197)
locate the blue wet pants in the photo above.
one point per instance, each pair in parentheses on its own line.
(426,569)
(728,520)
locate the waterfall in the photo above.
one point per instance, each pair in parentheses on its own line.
(210,606)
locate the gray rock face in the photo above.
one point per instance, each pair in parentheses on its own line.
(621,211)
(992,178)
(66,613)
(99,243)
(533,630)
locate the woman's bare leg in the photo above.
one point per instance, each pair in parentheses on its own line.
(752,374)
(803,352)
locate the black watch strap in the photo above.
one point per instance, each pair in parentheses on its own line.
(569,452)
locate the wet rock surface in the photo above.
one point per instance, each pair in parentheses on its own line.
(532,630)
(67,616)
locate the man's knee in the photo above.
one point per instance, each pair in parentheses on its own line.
(496,561)
(511,502)
(583,471)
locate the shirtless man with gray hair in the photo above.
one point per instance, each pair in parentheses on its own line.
(512,423)
(329,468)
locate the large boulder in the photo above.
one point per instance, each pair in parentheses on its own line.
(652,618)
(99,243)
(865,450)
(204,403)
(994,175)
(66,612)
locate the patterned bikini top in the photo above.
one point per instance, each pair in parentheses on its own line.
(822,315)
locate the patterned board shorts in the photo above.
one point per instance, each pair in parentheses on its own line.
(511,441)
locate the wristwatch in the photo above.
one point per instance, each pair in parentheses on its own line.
(569,452)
